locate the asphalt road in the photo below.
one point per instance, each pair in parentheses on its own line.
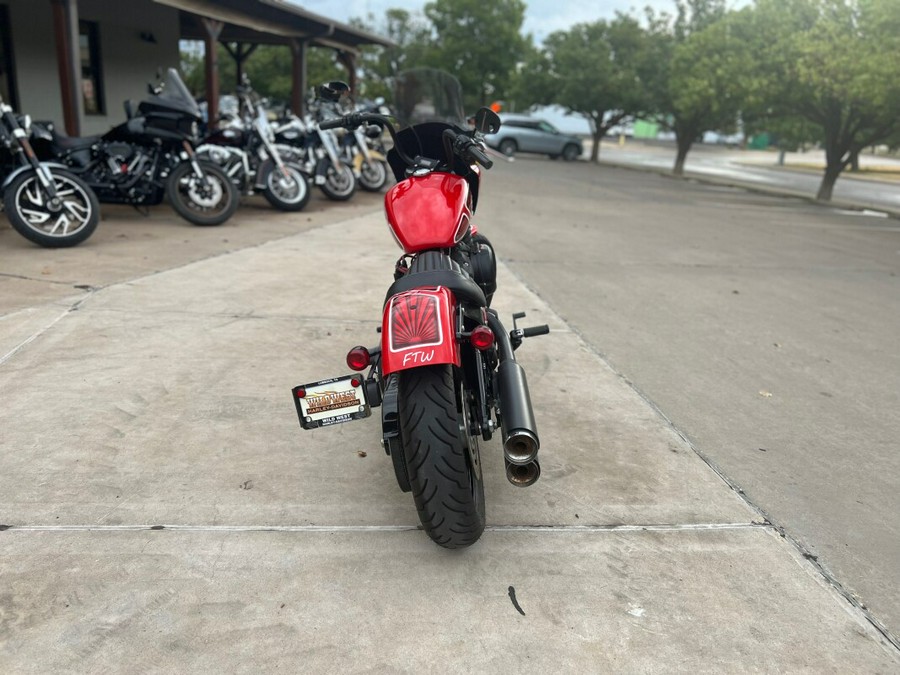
(764,328)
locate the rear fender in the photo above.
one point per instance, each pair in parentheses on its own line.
(418,329)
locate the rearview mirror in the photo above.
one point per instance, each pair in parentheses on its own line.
(487,121)
(332,91)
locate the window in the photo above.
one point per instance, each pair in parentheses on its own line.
(91,73)
(549,128)
(7,65)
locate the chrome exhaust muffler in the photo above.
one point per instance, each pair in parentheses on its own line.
(520,447)
(523,475)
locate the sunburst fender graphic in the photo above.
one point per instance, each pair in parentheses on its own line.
(414,322)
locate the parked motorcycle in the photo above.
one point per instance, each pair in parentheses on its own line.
(369,165)
(444,373)
(244,147)
(150,156)
(45,203)
(317,150)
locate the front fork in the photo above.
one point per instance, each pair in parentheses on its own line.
(43,173)
(195,164)
(272,151)
(54,203)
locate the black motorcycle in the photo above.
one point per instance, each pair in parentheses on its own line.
(244,147)
(45,203)
(150,156)
(305,143)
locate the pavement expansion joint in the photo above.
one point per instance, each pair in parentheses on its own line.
(34,336)
(25,277)
(688,527)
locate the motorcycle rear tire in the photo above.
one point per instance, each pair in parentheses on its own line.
(225,194)
(282,199)
(26,193)
(448,491)
(339,186)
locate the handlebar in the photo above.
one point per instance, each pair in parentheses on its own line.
(460,144)
(466,147)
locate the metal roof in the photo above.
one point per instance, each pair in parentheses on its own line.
(270,22)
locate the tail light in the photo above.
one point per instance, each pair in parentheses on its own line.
(359,358)
(414,321)
(482,338)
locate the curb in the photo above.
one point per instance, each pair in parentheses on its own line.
(755,187)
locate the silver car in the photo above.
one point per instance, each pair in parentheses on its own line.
(520,133)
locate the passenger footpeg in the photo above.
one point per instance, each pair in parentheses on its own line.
(516,335)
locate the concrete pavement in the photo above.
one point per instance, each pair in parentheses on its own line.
(165,512)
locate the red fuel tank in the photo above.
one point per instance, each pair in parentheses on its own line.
(431,211)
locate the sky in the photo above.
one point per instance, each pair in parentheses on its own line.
(542,17)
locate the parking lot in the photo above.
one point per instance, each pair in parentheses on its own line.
(163,511)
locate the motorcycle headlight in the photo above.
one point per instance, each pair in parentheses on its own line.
(195,129)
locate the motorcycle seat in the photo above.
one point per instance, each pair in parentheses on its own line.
(74,143)
(431,269)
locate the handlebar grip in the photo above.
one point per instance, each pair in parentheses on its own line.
(485,161)
(535,330)
(333,123)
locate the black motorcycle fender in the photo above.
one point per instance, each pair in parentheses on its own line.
(263,173)
(22,169)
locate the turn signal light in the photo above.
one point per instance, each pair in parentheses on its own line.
(482,338)
(359,358)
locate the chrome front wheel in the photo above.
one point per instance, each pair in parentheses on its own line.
(53,222)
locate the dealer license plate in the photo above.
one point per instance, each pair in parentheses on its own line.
(334,401)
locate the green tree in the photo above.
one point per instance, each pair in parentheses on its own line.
(592,70)
(832,63)
(693,71)
(379,65)
(479,42)
(534,81)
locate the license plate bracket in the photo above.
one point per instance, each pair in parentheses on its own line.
(332,401)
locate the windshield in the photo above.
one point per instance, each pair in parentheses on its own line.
(175,91)
(428,95)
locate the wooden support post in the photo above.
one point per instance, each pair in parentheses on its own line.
(68,61)
(240,52)
(212,29)
(298,76)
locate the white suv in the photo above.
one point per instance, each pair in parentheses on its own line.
(520,133)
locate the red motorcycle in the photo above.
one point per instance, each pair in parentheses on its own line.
(445,373)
